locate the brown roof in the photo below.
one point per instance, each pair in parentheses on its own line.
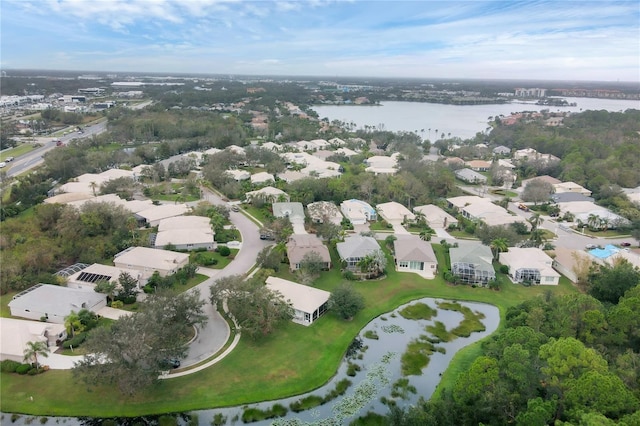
(301,244)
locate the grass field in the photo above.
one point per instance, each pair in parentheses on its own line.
(17,151)
(294,360)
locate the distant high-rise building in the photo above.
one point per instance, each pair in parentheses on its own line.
(531,93)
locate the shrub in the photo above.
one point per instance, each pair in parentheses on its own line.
(504,269)
(23,368)
(34,371)
(219,420)
(348,275)
(117,304)
(148,289)
(15,417)
(9,366)
(43,420)
(224,251)
(74,341)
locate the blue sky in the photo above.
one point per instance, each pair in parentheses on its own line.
(568,40)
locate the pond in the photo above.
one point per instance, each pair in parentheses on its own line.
(374,372)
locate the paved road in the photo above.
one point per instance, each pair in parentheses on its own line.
(34,158)
(213,336)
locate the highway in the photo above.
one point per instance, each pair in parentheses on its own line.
(34,158)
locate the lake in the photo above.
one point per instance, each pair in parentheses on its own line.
(463,121)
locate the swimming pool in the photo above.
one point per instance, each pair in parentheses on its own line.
(603,253)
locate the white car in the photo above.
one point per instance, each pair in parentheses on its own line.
(8,159)
(3,164)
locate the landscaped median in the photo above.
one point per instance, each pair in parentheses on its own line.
(294,360)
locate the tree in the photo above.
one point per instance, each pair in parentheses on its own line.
(35,349)
(346,301)
(271,257)
(312,263)
(635,233)
(132,353)
(375,262)
(499,245)
(609,283)
(535,220)
(328,230)
(72,323)
(107,287)
(257,310)
(128,285)
(537,191)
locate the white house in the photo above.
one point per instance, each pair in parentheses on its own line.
(87,278)
(566,261)
(268,194)
(185,233)
(308,303)
(148,260)
(54,303)
(238,175)
(154,214)
(262,177)
(358,212)
(414,255)
(381,164)
(16,333)
(435,216)
(354,248)
(529,265)
(395,213)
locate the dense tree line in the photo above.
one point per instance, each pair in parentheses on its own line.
(570,360)
(597,148)
(33,248)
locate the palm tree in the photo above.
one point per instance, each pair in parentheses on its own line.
(93,186)
(499,245)
(425,236)
(72,323)
(33,349)
(535,220)
(604,223)
(593,221)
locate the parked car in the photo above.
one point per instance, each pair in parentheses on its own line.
(3,164)
(235,208)
(268,237)
(8,159)
(170,363)
(523,207)
(625,244)
(590,246)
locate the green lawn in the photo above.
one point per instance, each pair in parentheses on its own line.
(259,213)
(609,233)
(17,151)
(223,261)
(258,370)
(5,312)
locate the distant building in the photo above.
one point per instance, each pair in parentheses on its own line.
(470,176)
(530,93)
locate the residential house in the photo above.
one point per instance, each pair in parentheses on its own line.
(358,212)
(472,263)
(16,333)
(568,262)
(586,211)
(483,210)
(149,260)
(571,187)
(454,162)
(381,164)
(261,178)
(545,178)
(469,176)
(355,248)
(414,255)
(529,265)
(478,165)
(308,303)
(300,245)
(501,150)
(153,215)
(324,210)
(53,303)
(267,195)
(436,217)
(395,213)
(87,278)
(185,233)
(238,175)
(569,197)
(294,211)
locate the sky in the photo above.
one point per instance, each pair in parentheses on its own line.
(541,40)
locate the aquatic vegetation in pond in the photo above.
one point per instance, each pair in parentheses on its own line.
(439,330)
(219,420)
(417,356)
(251,415)
(377,377)
(306,403)
(401,389)
(471,322)
(392,329)
(419,311)
(352,369)
(354,347)
(371,334)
